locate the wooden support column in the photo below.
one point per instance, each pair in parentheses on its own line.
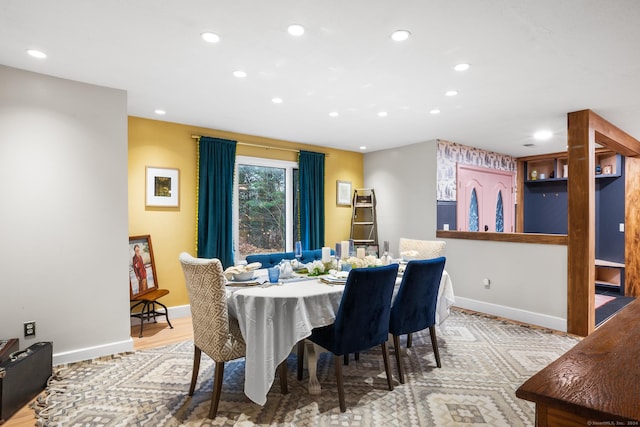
(632,227)
(585,128)
(581,225)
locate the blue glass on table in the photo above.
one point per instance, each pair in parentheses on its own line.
(346,266)
(274,274)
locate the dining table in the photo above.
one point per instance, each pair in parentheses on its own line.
(273,318)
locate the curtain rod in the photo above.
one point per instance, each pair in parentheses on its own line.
(257,145)
(267,147)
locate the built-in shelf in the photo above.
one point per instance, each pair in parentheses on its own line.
(608,165)
(610,275)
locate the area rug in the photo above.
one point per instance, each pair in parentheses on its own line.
(484,360)
(602,300)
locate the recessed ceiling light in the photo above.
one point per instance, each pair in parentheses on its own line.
(36,53)
(277,100)
(160,112)
(334,114)
(461,67)
(295,30)
(362,147)
(542,135)
(434,111)
(400,35)
(240,74)
(451,93)
(383,114)
(210,37)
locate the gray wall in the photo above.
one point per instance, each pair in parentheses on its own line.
(528,282)
(404,180)
(63,215)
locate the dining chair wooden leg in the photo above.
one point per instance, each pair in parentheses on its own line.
(434,344)
(396,345)
(300,359)
(338,367)
(217,389)
(385,357)
(409,340)
(196,368)
(282,368)
(356,356)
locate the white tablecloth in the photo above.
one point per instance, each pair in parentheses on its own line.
(273,319)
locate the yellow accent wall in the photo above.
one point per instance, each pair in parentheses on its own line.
(163,144)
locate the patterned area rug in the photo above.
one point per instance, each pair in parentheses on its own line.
(484,360)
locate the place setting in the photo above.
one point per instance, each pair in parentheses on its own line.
(244,275)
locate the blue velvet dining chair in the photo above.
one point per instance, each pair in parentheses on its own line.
(362,320)
(414,307)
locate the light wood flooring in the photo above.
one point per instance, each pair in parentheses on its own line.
(155,335)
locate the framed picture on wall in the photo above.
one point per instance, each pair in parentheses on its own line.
(343,193)
(142,268)
(162,187)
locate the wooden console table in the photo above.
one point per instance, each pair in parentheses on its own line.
(595,382)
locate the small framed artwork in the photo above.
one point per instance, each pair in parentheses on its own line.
(343,193)
(142,268)
(162,187)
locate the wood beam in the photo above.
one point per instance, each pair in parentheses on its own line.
(520,197)
(581,224)
(613,137)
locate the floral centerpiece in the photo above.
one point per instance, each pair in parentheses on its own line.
(317,268)
(368,261)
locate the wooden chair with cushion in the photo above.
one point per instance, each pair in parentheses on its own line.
(362,320)
(414,307)
(214,332)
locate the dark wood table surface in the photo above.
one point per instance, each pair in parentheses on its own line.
(598,380)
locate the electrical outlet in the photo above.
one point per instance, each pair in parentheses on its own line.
(30,329)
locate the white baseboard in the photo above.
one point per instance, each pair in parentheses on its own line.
(174,313)
(180,311)
(114,347)
(544,320)
(93,352)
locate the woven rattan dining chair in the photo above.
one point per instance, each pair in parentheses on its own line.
(414,307)
(214,332)
(362,320)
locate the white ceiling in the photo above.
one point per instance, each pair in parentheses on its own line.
(532,62)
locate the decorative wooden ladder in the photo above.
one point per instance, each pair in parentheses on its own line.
(364,224)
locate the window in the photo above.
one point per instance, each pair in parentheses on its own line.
(264,202)
(499,214)
(474,224)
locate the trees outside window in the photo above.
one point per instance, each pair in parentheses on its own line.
(264,210)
